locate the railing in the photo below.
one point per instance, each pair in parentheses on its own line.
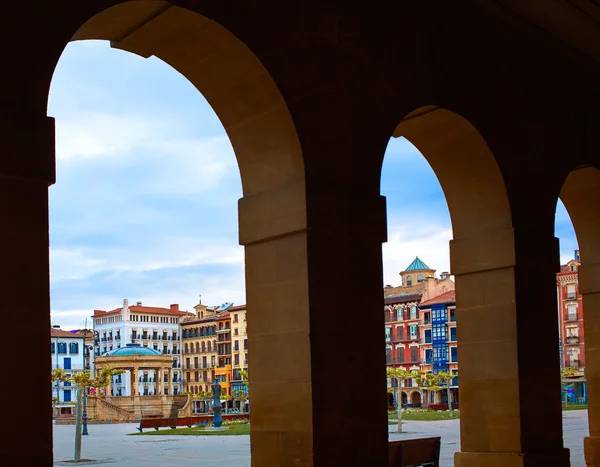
(572,363)
(571,296)
(572,340)
(571,316)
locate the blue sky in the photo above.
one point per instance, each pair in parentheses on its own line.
(145,204)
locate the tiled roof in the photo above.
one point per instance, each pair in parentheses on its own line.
(61,333)
(402,299)
(143,309)
(402,290)
(237,308)
(448,297)
(417,265)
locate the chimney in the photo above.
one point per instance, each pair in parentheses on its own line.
(445,275)
(56,326)
(138,303)
(174,307)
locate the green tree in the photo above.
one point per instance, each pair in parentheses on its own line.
(83,381)
(400,375)
(437,382)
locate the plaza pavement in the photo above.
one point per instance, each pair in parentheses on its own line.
(109,445)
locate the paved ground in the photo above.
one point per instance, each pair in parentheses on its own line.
(110,445)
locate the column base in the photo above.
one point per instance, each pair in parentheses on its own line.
(559,458)
(591,451)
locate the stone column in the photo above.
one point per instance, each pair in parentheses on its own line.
(26,172)
(508,348)
(305,260)
(589,287)
(157,385)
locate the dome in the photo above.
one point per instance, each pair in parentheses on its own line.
(132,349)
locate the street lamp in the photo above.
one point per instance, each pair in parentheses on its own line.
(84,429)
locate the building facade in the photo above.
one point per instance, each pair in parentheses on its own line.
(155,328)
(438,343)
(572,333)
(403,322)
(67,350)
(239,359)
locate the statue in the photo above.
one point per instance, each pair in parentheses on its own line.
(216,390)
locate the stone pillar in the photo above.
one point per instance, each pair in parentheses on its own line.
(26,172)
(508,349)
(589,287)
(308,262)
(158,383)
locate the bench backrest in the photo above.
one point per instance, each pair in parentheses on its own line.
(415,452)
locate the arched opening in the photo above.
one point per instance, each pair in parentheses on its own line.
(415,398)
(483,261)
(259,126)
(579,301)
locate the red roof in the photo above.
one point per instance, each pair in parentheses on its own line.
(448,297)
(143,309)
(61,333)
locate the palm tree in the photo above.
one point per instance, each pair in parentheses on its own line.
(400,375)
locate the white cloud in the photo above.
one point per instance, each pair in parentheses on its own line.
(425,238)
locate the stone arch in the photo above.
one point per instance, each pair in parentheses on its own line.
(227,73)
(415,397)
(404,398)
(580,194)
(482,259)
(464,165)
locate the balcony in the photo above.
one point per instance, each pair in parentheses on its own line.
(572,363)
(571,296)
(571,316)
(225,329)
(573,340)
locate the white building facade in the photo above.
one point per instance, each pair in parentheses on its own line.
(67,349)
(152,327)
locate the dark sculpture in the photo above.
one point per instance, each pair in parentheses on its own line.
(216,390)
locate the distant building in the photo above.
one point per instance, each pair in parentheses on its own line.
(572,335)
(67,349)
(240,348)
(152,327)
(438,343)
(403,319)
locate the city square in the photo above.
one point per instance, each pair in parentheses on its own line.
(111,444)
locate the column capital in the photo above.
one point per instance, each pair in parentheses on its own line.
(27,145)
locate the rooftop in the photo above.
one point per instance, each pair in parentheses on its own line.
(132,349)
(448,297)
(418,265)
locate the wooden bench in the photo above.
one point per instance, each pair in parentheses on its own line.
(202,420)
(415,452)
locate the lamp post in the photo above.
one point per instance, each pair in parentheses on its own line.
(84,429)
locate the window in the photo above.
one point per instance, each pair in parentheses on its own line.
(420,278)
(452,315)
(427,317)
(236,345)
(235,318)
(413,312)
(62,347)
(236,359)
(572,312)
(235,332)
(428,355)
(454,354)
(571,293)
(52,345)
(453,334)
(413,331)
(427,336)
(408,280)
(414,354)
